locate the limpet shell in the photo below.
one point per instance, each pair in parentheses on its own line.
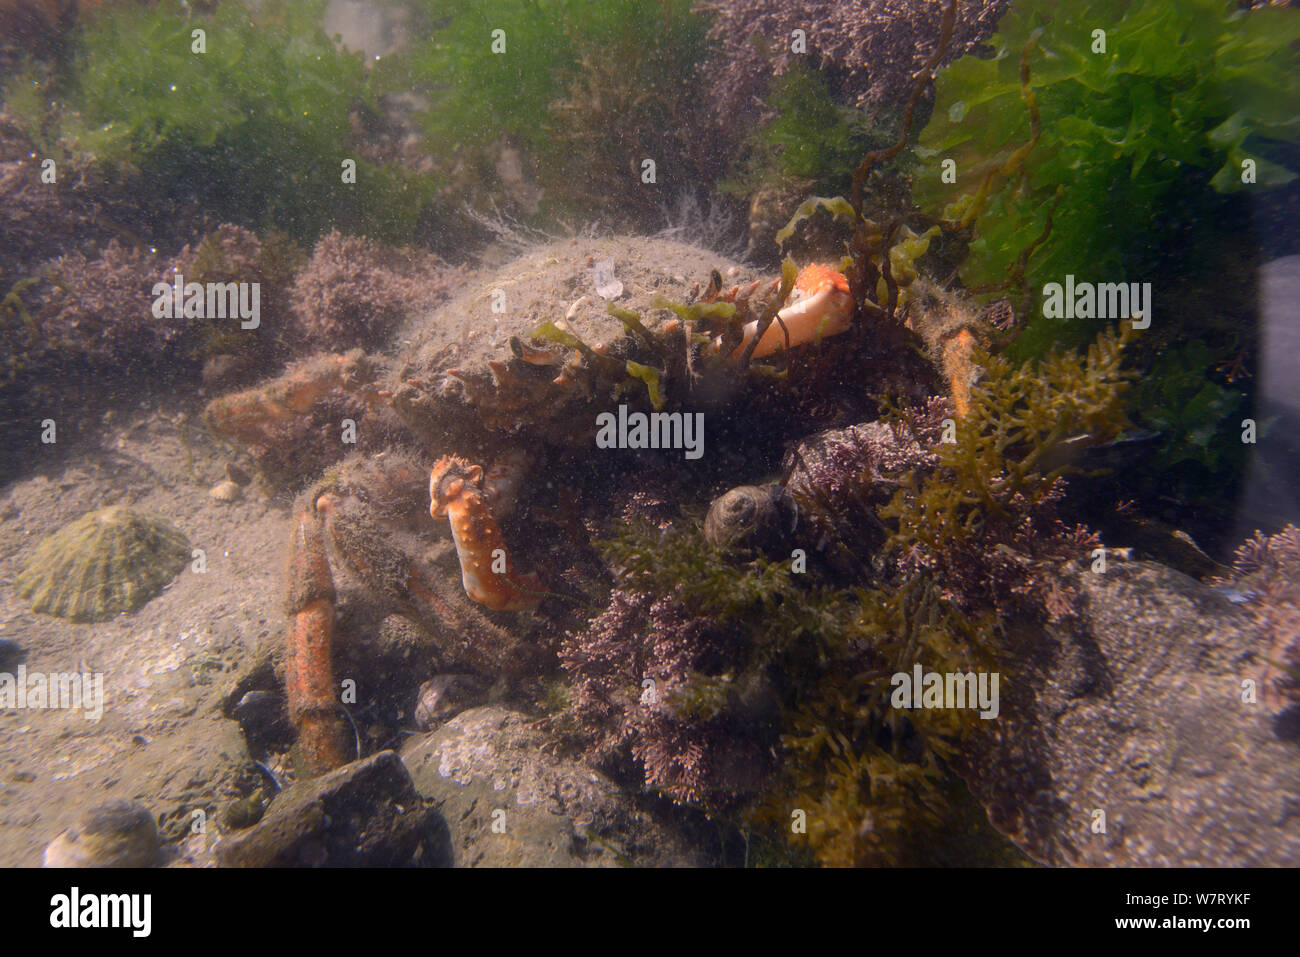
(108,561)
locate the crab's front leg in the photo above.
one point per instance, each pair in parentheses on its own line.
(457,493)
(366,511)
(313,707)
(252,415)
(820,306)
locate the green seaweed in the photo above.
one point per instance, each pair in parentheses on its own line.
(809,140)
(560,82)
(902,259)
(1008,445)
(608,365)
(13,304)
(553,333)
(1001,466)
(650,376)
(696,311)
(837,206)
(254,129)
(1198,417)
(635,328)
(1127,165)
(1144,143)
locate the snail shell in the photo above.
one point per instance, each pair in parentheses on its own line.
(749,516)
(442,697)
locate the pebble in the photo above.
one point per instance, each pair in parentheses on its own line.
(116,834)
(10,651)
(244,813)
(444,696)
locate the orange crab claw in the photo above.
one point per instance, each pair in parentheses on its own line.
(819,306)
(456,493)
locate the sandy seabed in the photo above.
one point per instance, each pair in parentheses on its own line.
(162,739)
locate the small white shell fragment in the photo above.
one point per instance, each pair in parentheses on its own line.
(573,309)
(603,275)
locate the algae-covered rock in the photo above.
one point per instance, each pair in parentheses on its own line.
(510,801)
(1138,709)
(108,561)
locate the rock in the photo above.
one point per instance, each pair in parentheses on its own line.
(1136,710)
(116,834)
(237,475)
(10,652)
(509,801)
(365,814)
(246,812)
(264,719)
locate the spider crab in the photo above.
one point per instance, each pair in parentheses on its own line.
(368,511)
(478,396)
(374,496)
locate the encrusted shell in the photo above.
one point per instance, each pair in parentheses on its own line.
(106,562)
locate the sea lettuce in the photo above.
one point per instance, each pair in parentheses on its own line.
(1144,142)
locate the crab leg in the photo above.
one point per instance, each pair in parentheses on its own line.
(246,416)
(313,707)
(457,494)
(960,369)
(462,631)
